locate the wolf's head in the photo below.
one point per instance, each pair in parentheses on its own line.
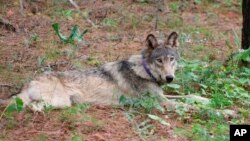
(161,58)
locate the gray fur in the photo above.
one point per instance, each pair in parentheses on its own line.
(104,85)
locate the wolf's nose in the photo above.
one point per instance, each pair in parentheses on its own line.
(169,78)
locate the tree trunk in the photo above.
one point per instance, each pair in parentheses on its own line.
(245,42)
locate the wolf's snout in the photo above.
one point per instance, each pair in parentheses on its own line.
(169,78)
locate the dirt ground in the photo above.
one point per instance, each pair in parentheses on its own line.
(34,38)
(98,123)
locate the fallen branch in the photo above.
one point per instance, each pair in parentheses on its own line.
(74,4)
(194,97)
(172,105)
(91,22)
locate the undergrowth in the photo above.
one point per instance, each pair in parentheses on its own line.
(226,85)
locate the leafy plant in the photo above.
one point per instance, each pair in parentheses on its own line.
(242,55)
(146,101)
(51,54)
(135,22)
(67,14)
(70,113)
(17,106)
(174,7)
(74,35)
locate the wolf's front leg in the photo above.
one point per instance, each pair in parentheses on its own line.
(164,101)
(156,90)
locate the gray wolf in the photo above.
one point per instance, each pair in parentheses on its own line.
(104,85)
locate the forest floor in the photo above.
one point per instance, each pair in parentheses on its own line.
(116,30)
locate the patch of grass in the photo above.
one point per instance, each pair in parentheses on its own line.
(198,1)
(75,115)
(70,114)
(109,23)
(146,102)
(40,137)
(174,7)
(50,55)
(218,132)
(199,33)
(220,101)
(173,23)
(71,52)
(10,76)
(15,106)
(212,17)
(135,22)
(77,64)
(86,13)
(199,47)
(76,137)
(68,14)
(93,61)
(143,107)
(33,39)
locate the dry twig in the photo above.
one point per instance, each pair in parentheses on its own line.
(74,4)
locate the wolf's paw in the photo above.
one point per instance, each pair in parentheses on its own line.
(38,106)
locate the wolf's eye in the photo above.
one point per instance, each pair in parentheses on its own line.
(159,60)
(171,58)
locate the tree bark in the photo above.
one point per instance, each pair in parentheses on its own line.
(245,42)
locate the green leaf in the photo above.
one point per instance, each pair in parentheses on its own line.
(72,35)
(67,14)
(15,107)
(19,103)
(11,108)
(203,86)
(56,27)
(82,34)
(122,100)
(246,55)
(174,86)
(154,117)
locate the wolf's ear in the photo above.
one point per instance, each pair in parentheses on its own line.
(173,40)
(151,42)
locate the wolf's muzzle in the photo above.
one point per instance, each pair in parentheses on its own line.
(169,78)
